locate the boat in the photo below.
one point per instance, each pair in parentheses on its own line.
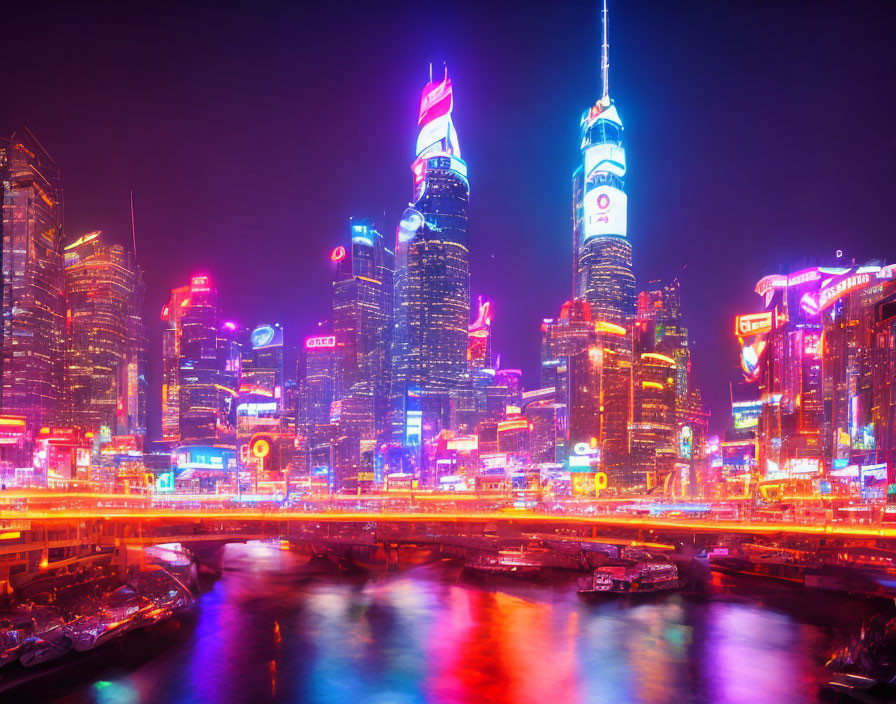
(642,573)
(32,633)
(168,594)
(514,561)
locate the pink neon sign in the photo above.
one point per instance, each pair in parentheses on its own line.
(322,342)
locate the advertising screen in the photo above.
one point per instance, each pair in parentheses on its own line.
(267,336)
(433,133)
(604,157)
(436,100)
(605,212)
(754,324)
(205,457)
(746,414)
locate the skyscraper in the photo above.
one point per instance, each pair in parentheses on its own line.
(362,326)
(432,277)
(32,280)
(201,366)
(105,341)
(260,401)
(602,254)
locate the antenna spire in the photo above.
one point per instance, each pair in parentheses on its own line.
(605,57)
(133,229)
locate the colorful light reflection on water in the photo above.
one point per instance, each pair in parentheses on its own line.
(267,632)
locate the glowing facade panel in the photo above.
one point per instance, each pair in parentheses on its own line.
(605,209)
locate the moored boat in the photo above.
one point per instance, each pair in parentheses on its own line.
(642,574)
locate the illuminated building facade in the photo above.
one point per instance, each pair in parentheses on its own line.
(602,254)
(260,400)
(669,424)
(105,340)
(432,275)
(316,435)
(818,357)
(33,309)
(589,365)
(201,367)
(548,420)
(363,328)
(479,347)
(653,426)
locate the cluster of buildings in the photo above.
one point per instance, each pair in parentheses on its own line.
(73,361)
(818,395)
(401,387)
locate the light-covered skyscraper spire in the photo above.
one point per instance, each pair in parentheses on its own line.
(605,57)
(602,254)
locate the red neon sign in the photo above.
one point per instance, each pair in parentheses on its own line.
(322,342)
(435,101)
(338,254)
(754,324)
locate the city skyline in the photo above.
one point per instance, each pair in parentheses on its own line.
(515,329)
(448,352)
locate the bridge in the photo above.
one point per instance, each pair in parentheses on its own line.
(43,531)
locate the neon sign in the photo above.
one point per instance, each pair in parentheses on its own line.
(322,342)
(338,254)
(611,328)
(658,357)
(834,292)
(754,324)
(516,424)
(809,304)
(436,100)
(469,443)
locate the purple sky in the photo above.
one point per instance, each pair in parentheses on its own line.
(758,135)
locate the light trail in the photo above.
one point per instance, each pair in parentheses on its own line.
(518,516)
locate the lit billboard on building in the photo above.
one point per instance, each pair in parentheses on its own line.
(322,342)
(604,157)
(205,457)
(605,212)
(267,336)
(754,324)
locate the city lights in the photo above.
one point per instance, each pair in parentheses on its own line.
(473,384)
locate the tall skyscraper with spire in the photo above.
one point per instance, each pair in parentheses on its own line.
(602,254)
(432,277)
(600,377)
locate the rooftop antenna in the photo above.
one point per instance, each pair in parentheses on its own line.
(133,229)
(605,58)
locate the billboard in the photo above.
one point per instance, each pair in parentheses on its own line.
(267,336)
(436,100)
(205,457)
(322,342)
(605,212)
(838,288)
(604,158)
(433,133)
(746,414)
(754,324)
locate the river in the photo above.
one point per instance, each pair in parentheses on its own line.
(267,631)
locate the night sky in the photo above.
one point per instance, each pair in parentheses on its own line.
(759,135)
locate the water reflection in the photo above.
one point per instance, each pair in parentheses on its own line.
(268,632)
